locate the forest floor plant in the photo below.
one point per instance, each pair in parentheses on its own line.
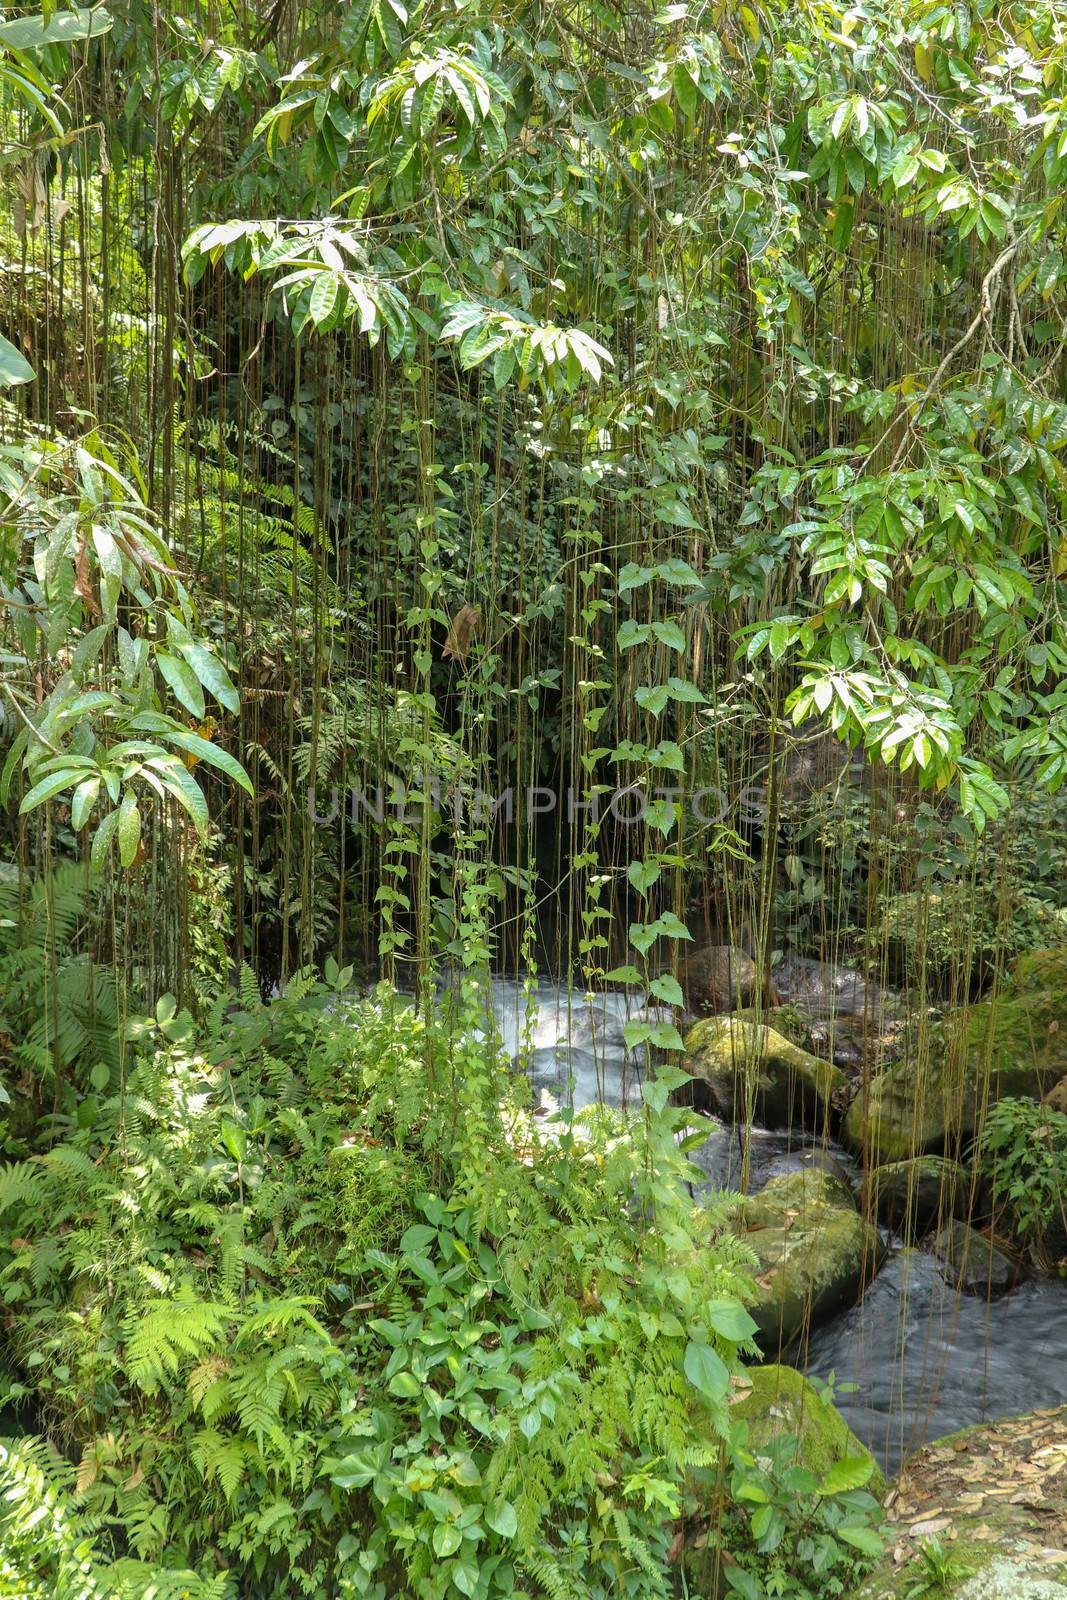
(319,1306)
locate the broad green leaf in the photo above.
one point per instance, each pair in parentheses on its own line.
(668,989)
(52,785)
(851,1472)
(706,1371)
(183,681)
(84,799)
(206,751)
(129,828)
(446,1539)
(212,675)
(102,839)
(730,1319)
(861,1538)
(61,27)
(14,368)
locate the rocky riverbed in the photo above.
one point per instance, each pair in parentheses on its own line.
(850,1126)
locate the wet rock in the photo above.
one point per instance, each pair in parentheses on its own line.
(770,1154)
(972,1262)
(594,1029)
(718,978)
(815,1253)
(995,1499)
(1057,1097)
(1014,1044)
(750,1070)
(910,1196)
(577,1077)
(825,989)
(781,1401)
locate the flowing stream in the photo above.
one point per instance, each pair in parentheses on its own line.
(915,1359)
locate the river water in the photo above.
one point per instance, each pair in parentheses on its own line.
(923,1359)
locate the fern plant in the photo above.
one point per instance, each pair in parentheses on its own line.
(299,1321)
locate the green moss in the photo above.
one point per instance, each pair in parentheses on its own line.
(782,1401)
(910,1196)
(752,1070)
(791,1021)
(815,1253)
(1015,1044)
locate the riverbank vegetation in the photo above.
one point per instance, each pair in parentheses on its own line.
(531,595)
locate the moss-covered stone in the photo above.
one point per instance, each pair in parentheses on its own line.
(910,1196)
(972,1262)
(1014,1044)
(815,1253)
(751,1070)
(782,1401)
(966,1492)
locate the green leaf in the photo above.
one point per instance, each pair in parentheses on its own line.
(417,1237)
(88,648)
(643,874)
(129,825)
(198,746)
(670,634)
(102,839)
(446,1539)
(323,298)
(465,1576)
(185,789)
(63,779)
(84,799)
(62,27)
(743,1583)
(861,1538)
(405,1384)
(706,1371)
(730,1320)
(668,989)
(183,681)
(851,1472)
(14,368)
(502,1519)
(212,675)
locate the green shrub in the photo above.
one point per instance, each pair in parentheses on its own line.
(1024,1156)
(318,1308)
(786,1532)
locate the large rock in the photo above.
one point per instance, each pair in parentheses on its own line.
(752,1071)
(782,1401)
(719,978)
(910,1196)
(815,1252)
(1056,1099)
(972,1262)
(931,1100)
(995,1498)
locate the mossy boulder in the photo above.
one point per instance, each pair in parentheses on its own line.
(995,1498)
(816,1253)
(752,1071)
(972,1262)
(910,1196)
(782,1401)
(931,1100)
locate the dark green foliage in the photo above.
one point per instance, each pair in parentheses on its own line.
(1024,1156)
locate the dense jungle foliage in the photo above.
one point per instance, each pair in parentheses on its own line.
(537,490)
